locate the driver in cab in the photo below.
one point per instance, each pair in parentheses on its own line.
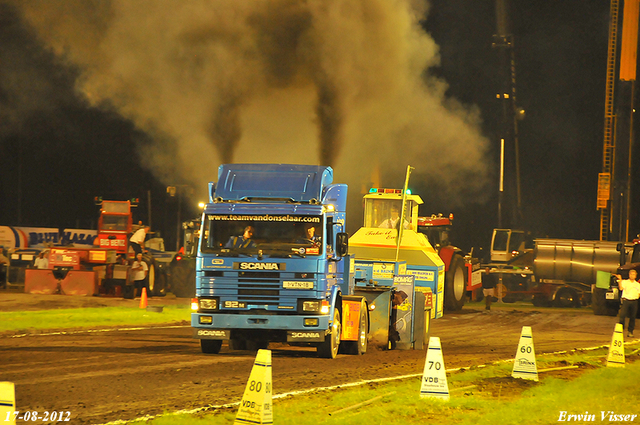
(243,241)
(310,234)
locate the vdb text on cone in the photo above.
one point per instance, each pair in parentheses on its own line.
(256,405)
(616,349)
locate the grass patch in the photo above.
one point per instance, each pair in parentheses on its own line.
(89,318)
(488,395)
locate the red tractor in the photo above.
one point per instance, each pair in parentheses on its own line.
(463,274)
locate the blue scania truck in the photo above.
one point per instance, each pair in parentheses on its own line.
(273,266)
(272,262)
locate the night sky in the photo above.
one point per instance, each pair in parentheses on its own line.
(58,151)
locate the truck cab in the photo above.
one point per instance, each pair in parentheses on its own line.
(272,264)
(114,225)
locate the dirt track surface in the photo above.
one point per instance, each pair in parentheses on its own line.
(124,374)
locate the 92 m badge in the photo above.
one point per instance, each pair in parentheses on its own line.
(234,304)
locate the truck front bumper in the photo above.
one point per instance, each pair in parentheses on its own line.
(298,328)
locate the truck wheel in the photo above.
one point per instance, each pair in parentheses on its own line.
(566,297)
(210,346)
(359,347)
(237,344)
(183,282)
(329,348)
(599,303)
(455,284)
(539,300)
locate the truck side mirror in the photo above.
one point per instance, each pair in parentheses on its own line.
(342,244)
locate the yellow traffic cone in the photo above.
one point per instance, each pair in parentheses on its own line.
(256,405)
(143,298)
(8,403)
(616,349)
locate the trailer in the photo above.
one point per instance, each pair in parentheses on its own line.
(560,272)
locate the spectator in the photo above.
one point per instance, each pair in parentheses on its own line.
(630,292)
(137,240)
(140,271)
(488,288)
(42,262)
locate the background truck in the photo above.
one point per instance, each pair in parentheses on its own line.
(561,272)
(289,284)
(115,227)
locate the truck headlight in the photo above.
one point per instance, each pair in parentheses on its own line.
(311,306)
(208,303)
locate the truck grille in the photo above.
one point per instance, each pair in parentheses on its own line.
(259,275)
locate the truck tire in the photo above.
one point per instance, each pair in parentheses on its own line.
(566,298)
(329,348)
(599,303)
(540,300)
(183,282)
(455,284)
(359,347)
(210,346)
(237,344)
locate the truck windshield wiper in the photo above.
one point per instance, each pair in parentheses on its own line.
(284,252)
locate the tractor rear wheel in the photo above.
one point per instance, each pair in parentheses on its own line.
(183,281)
(455,284)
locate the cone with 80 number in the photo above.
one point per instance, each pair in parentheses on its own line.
(256,404)
(524,365)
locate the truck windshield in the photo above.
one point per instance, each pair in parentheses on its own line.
(385,213)
(114,222)
(270,235)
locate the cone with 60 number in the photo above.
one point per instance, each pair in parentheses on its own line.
(524,365)
(256,405)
